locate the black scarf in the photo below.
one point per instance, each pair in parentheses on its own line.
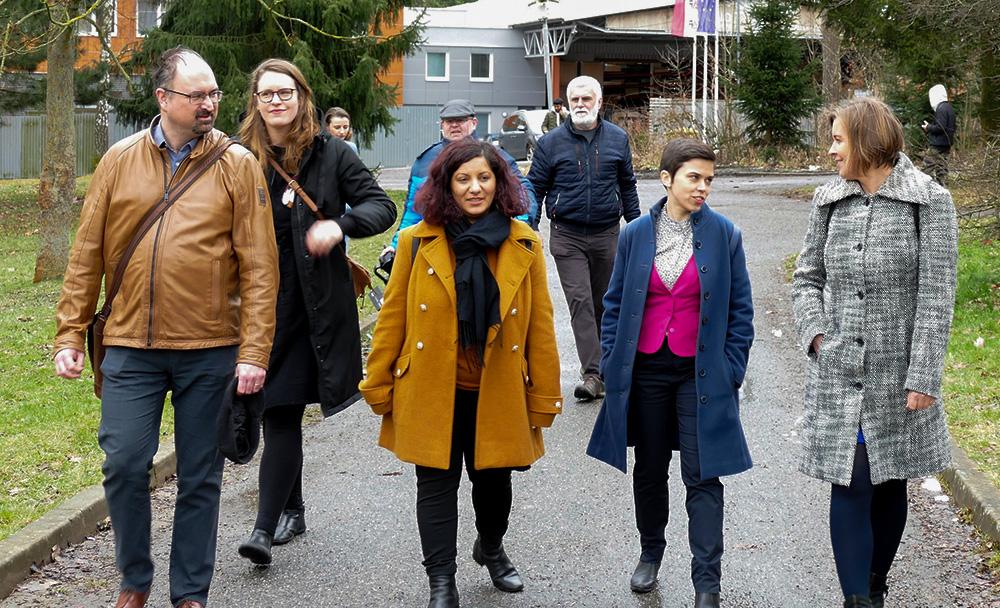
(476,292)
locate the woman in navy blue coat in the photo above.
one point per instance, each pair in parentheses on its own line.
(675,337)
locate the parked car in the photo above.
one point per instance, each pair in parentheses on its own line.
(520,133)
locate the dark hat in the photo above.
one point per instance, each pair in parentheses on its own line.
(458,108)
(558,100)
(238,424)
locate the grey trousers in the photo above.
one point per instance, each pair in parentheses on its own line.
(136,382)
(584,263)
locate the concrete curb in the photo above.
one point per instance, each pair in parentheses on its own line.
(78,517)
(71,522)
(972,490)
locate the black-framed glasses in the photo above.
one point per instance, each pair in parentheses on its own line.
(267,96)
(198,98)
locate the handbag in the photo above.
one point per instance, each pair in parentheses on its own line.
(360,277)
(95,330)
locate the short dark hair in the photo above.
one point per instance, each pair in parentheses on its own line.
(335,112)
(874,134)
(558,101)
(166,66)
(681,150)
(434,200)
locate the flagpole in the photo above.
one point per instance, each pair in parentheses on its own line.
(694,78)
(704,87)
(715,83)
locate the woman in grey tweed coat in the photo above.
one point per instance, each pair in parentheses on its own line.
(873,295)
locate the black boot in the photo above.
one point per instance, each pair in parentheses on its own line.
(644,577)
(857,601)
(291,523)
(257,548)
(878,589)
(502,572)
(444,592)
(706,600)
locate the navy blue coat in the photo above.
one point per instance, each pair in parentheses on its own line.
(724,339)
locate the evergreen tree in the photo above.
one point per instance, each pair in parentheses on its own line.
(338,44)
(775,88)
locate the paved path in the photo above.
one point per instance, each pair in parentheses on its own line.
(572,531)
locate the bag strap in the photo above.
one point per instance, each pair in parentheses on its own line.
(297,188)
(151,218)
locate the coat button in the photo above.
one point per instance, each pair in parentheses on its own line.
(513,312)
(861,294)
(858,385)
(701,347)
(399,372)
(701,372)
(860,341)
(707,295)
(430,271)
(697,244)
(704,268)
(515,348)
(703,399)
(859,246)
(704,320)
(423,308)
(420,346)
(558,404)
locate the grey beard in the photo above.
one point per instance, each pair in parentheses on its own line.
(585,122)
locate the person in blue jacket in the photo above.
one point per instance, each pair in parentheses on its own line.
(458,121)
(675,338)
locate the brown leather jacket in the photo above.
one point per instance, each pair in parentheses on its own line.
(205,275)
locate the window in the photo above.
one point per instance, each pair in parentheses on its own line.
(436,67)
(86,28)
(483,126)
(148,14)
(481,67)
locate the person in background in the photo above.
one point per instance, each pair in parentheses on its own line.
(583,173)
(873,294)
(338,124)
(458,122)
(555,117)
(676,336)
(464,361)
(940,135)
(196,307)
(317,343)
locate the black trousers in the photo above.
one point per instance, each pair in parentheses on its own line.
(437,495)
(280,476)
(663,401)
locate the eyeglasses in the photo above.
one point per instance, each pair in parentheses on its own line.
(199,97)
(267,96)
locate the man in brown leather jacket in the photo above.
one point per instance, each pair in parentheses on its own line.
(195,309)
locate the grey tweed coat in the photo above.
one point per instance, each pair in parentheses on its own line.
(877,277)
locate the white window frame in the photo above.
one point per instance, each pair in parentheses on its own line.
(447,67)
(85,28)
(478,78)
(161,7)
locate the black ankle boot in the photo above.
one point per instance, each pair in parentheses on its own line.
(857,601)
(502,572)
(291,523)
(444,592)
(706,600)
(257,548)
(878,589)
(644,578)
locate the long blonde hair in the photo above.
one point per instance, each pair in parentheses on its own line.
(305,128)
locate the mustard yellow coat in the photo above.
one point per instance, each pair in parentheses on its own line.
(413,362)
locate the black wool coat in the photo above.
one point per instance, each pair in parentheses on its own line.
(333,176)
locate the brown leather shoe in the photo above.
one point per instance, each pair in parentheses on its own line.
(130,598)
(190,604)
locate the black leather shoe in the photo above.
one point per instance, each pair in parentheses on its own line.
(291,523)
(502,572)
(590,388)
(257,548)
(444,592)
(644,577)
(706,600)
(857,601)
(878,589)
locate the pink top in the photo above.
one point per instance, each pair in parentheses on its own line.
(672,313)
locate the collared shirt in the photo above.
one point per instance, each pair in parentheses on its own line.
(176,157)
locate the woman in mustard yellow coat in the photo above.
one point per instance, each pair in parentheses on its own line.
(463,360)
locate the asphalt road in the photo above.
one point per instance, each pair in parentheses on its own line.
(572,532)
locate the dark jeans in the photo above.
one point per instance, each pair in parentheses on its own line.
(663,401)
(866,525)
(136,382)
(280,476)
(936,164)
(584,263)
(437,495)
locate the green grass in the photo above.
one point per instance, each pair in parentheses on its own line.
(48,426)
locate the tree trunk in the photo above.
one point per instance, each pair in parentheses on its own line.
(831,64)
(57,186)
(105,14)
(989,108)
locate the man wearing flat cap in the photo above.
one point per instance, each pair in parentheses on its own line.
(458,121)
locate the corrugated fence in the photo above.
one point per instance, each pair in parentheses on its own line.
(416,128)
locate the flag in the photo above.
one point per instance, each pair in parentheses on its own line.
(685,22)
(706,16)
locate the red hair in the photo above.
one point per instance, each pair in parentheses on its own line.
(434,201)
